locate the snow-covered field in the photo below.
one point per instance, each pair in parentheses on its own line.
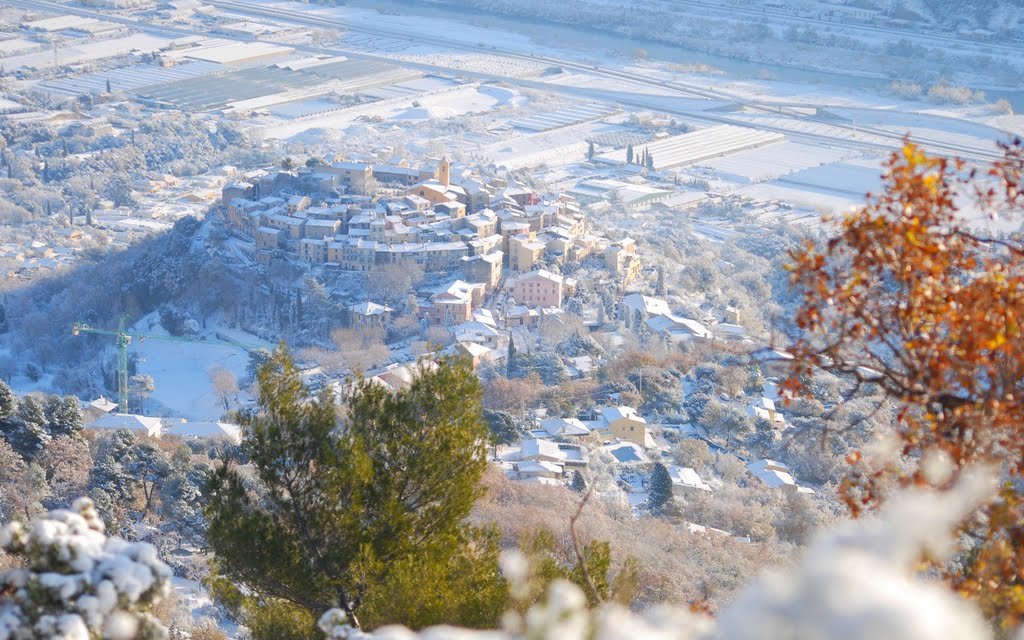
(448,102)
(769,162)
(180,370)
(89,51)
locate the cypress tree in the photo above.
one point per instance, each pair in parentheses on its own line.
(579,485)
(660,494)
(511,357)
(629,154)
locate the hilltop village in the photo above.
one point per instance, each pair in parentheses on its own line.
(487,268)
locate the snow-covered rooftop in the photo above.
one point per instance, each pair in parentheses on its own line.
(152,426)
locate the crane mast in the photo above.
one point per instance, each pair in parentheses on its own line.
(122,342)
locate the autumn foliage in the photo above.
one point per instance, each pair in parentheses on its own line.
(919,294)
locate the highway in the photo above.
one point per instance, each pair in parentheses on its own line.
(846,135)
(636,100)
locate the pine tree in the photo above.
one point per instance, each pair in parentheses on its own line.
(629,154)
(659,285)
(26,430)
(354,517)
(115,452)
(8,402)
(502,426)
(63,417)
(660,492)
(579,485)
(149,467)
(182,498)
(546,566)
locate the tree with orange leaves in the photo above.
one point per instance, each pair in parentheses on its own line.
(912,296)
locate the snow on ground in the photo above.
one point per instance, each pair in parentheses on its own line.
(829,188)
(938,125)
(771,161)
(478,63)
(180,369)
(1012,123)
(22,385)
(430,22)
(556,147)
(122,223)
(843,178)
(854,102)
(465,100)
(137,43)
(448,102)
(194,597)
(618,85)
(829,203)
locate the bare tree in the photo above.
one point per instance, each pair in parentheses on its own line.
(438,336)
(391,283)
(362,348)
(225,384)
(141,386)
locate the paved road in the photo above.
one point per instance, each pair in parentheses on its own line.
(837,133)
(846,134)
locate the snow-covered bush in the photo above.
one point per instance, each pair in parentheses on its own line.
(75,583)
